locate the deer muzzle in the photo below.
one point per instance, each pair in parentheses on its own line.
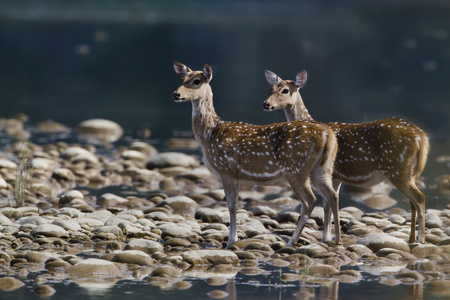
(266,106)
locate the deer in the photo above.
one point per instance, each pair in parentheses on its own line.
(296,152)
(391,149)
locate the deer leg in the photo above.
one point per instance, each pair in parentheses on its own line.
(326,220)
(417,201)
(306,196)
(412,235)
(231,188)
(331,198)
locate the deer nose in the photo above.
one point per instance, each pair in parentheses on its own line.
(266,105)
(176,96)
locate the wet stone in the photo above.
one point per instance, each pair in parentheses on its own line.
(378,241)
(49,230)
(44,290)
(146,246)
(347,276)
(311,250)
(424,250)
(213,257)
(94,267)
(10,283)
(171,159)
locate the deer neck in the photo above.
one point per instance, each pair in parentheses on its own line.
(297,111)
(204,117)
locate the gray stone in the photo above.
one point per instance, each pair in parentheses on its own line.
(49,230)
(171,159)
(94,267)
(146,246)
(210,257)
(378,241)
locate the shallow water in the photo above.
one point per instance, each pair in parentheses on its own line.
(243,286)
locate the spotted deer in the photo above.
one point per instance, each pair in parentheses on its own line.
(261,154)
(368,153)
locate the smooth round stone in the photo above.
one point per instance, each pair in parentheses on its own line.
(43,164)
(44,290)
(181,205)
(50,126)
(432,220)
(144,175)
(321,271)
(88,222)
(35,220)
(210,215)
(4,220)
(354,211)
(37,257)
(135,257)
(378,241)
(359,249)
(347,276)
(78,154)
(146,246)
(100,130)
(217,280)
(166,271)
(171,159)
(71,212)
(10,284)
(69,225)
(145,148)
(424,250)
(264,210)
(396,219)
(108,199)
(212,257)
(7,164)
(63,174)
(311,250)
(94,267)
(408,276)
(300,259)
(176,231)
(108,229)
(287,216)
(49,230)
(66,198)
(3,183)
(385,252)
(134,155)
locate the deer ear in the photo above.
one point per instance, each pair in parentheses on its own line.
(181,69)
(271,77)
(300,79)
(207,71)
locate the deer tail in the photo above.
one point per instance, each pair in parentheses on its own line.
(422,153)
(329,151)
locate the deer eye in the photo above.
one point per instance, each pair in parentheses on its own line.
(285,91)
(197,81)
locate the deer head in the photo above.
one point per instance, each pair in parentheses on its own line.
(195,83)
(284,92)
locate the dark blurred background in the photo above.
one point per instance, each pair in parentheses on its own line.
(74,60)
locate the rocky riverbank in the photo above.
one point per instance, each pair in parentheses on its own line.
(179,228)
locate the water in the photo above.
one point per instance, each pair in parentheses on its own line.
(365,60)
(243,286)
